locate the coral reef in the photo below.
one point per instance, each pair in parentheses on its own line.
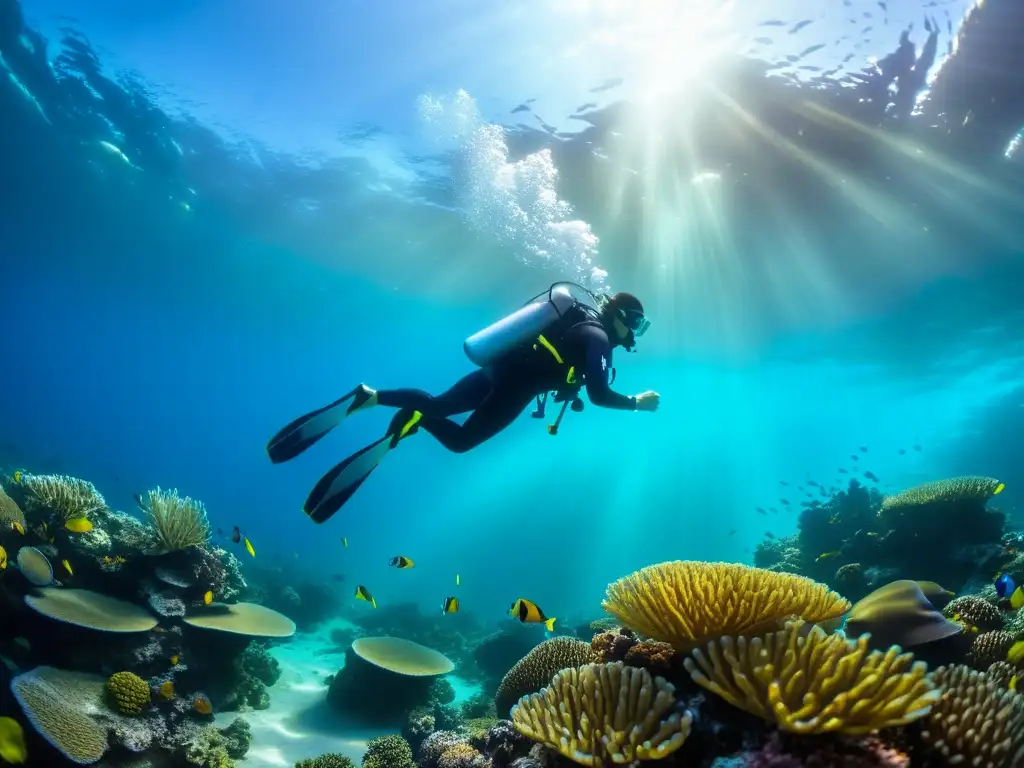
(825,752)
(687,603)
(535,670)
(604,712)
(328,760)
(387,752)
(974,612)
(65,496)
(811,682)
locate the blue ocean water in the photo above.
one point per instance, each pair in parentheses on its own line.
(219,216)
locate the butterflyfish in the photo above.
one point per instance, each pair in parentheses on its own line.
(530,613)
(362,593)
(398,561)
(3,558)
(174,661)
(167,690)
(450,605)
(827,556)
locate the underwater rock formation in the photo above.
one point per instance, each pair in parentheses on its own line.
(384,679)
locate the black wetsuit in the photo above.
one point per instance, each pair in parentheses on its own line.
(498,394)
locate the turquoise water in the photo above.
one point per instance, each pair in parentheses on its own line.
(217,219)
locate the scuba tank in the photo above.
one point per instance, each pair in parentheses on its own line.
(523,326)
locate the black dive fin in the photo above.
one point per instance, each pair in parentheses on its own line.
(340,484)
(308,429)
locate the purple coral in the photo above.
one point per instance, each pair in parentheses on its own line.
(826,752)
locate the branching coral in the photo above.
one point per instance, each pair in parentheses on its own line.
(812,682)
(70,497)
(177,523)
(535,670)
(129,692)
(687,603)
(604,712)
(975,722)
(970,490)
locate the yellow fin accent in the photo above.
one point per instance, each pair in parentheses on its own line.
(1017,598)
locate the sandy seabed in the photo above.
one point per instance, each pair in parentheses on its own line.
(299,724)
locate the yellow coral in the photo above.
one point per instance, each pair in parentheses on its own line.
(535,669)
(968,490)
(604,712)
(813,682)
(129,692)
(687,603)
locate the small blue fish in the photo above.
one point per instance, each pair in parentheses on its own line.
(1005,585)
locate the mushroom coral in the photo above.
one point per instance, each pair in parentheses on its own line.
(91,610)
(242,619)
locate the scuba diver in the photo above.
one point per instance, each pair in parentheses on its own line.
(553,347)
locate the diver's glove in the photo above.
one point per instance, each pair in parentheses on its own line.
(647,401)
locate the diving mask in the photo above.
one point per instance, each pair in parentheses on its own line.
(635,321)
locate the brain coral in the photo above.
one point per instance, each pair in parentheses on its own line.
(129,692)
(58,704)
(535,670)
(687,603)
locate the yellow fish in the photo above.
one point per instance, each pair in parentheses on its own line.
(3,558)
(1016,653)
(344,541)
(17,477)
(18,527)
(12,741)
(208,597)
(67,567)
(530,613)
(362,593)
(1017,599)
(827,556)
(398,561)
(999,489)
(248,546)
(78,525)
(458,580)
(174,661)
(167,690)
(450,605)
(1013,683)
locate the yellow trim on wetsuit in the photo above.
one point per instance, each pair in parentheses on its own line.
(570,377)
